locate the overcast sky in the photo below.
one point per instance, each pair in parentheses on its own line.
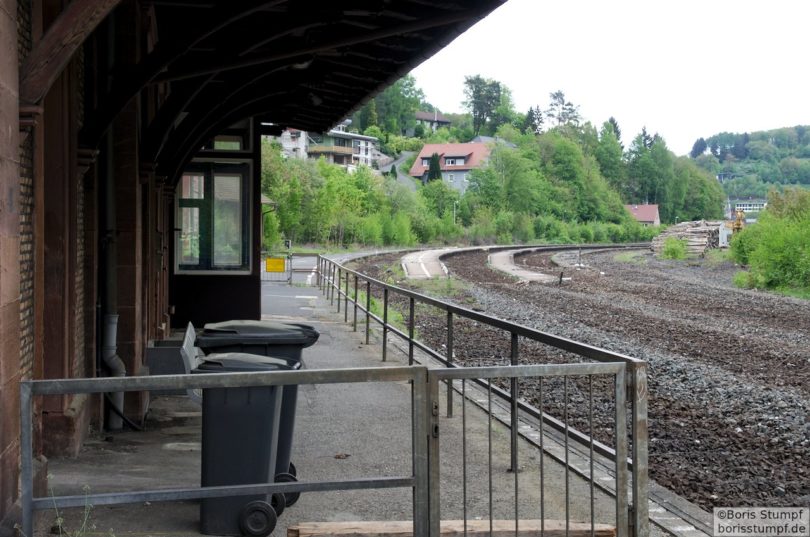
(683,69)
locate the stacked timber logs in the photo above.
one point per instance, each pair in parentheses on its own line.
(699,236)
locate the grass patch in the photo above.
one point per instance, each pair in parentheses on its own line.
(446,286)
(633,257)
(748,280)
(717,256)
(395,317)
(674,248)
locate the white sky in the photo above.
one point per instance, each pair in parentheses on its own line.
(684,69)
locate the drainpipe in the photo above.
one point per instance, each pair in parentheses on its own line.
(108,286)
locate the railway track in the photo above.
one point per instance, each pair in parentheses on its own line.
(729,375)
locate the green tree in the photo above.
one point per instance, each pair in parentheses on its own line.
(533,122)
(394,109)
(562,112)
(698,148)
(609,155)
(616,130)
(367,116)
(439,198)
(504,113)
(435,168)
(481,97)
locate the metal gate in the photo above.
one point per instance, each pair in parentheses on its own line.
(516,486)
(276,268)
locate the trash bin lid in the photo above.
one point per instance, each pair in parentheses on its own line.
(232,362)
(269,332)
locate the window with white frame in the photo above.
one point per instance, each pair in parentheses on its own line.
(213,219)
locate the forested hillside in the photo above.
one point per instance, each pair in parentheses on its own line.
(751,164)
(558,179)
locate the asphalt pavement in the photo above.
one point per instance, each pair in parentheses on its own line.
(342,432)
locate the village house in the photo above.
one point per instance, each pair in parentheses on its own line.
(645,214)
(455,160)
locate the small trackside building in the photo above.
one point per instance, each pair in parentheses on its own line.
(645,214)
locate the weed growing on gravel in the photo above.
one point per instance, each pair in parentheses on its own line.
(674,248)
(632,257)
(716,257)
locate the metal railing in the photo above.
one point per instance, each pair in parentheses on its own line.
(416,481)
(538,373)
(340,284)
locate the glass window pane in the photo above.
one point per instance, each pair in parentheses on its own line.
(227,243)
(189,236)
(192,186)
(228,143)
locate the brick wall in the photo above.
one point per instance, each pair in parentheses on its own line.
(82,360)
(27,258)
(12,37)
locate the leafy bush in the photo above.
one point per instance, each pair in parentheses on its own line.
(674,248)
(777,248)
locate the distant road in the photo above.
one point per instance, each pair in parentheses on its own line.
(406,180)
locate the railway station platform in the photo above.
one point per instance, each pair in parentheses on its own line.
(342,432)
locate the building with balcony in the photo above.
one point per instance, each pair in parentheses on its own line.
(344,148)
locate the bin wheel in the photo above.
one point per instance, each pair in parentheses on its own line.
(257,519)
(293,471)
(289,497)
(278,502)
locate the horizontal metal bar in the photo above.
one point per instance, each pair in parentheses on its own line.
(224,380)
(522,371)
(587,351)
(170,495)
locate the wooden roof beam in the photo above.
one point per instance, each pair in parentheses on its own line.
(228,64)
(53,52)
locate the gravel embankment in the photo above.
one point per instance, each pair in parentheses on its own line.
(729,369)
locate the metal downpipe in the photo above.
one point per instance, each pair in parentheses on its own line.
(109,283)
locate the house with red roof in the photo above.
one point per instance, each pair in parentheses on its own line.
(456,162)
(432,120)
(646,214)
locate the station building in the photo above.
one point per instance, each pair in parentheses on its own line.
(130,167)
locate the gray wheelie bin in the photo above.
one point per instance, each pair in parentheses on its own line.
(278,340)
(240,433)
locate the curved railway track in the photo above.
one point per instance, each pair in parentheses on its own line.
(729,369)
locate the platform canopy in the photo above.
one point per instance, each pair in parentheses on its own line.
(292,63)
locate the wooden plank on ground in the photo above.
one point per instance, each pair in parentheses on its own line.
(449,528)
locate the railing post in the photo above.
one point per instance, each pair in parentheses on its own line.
(449,361)
(331,289)
(339,280)
(368,309)
(640,522)
(354,322)
(26,459)
(422,452)
(620,428)
(346,300)
(385,325)
(432,440)
(513,384)
(411,313)
(318,271)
